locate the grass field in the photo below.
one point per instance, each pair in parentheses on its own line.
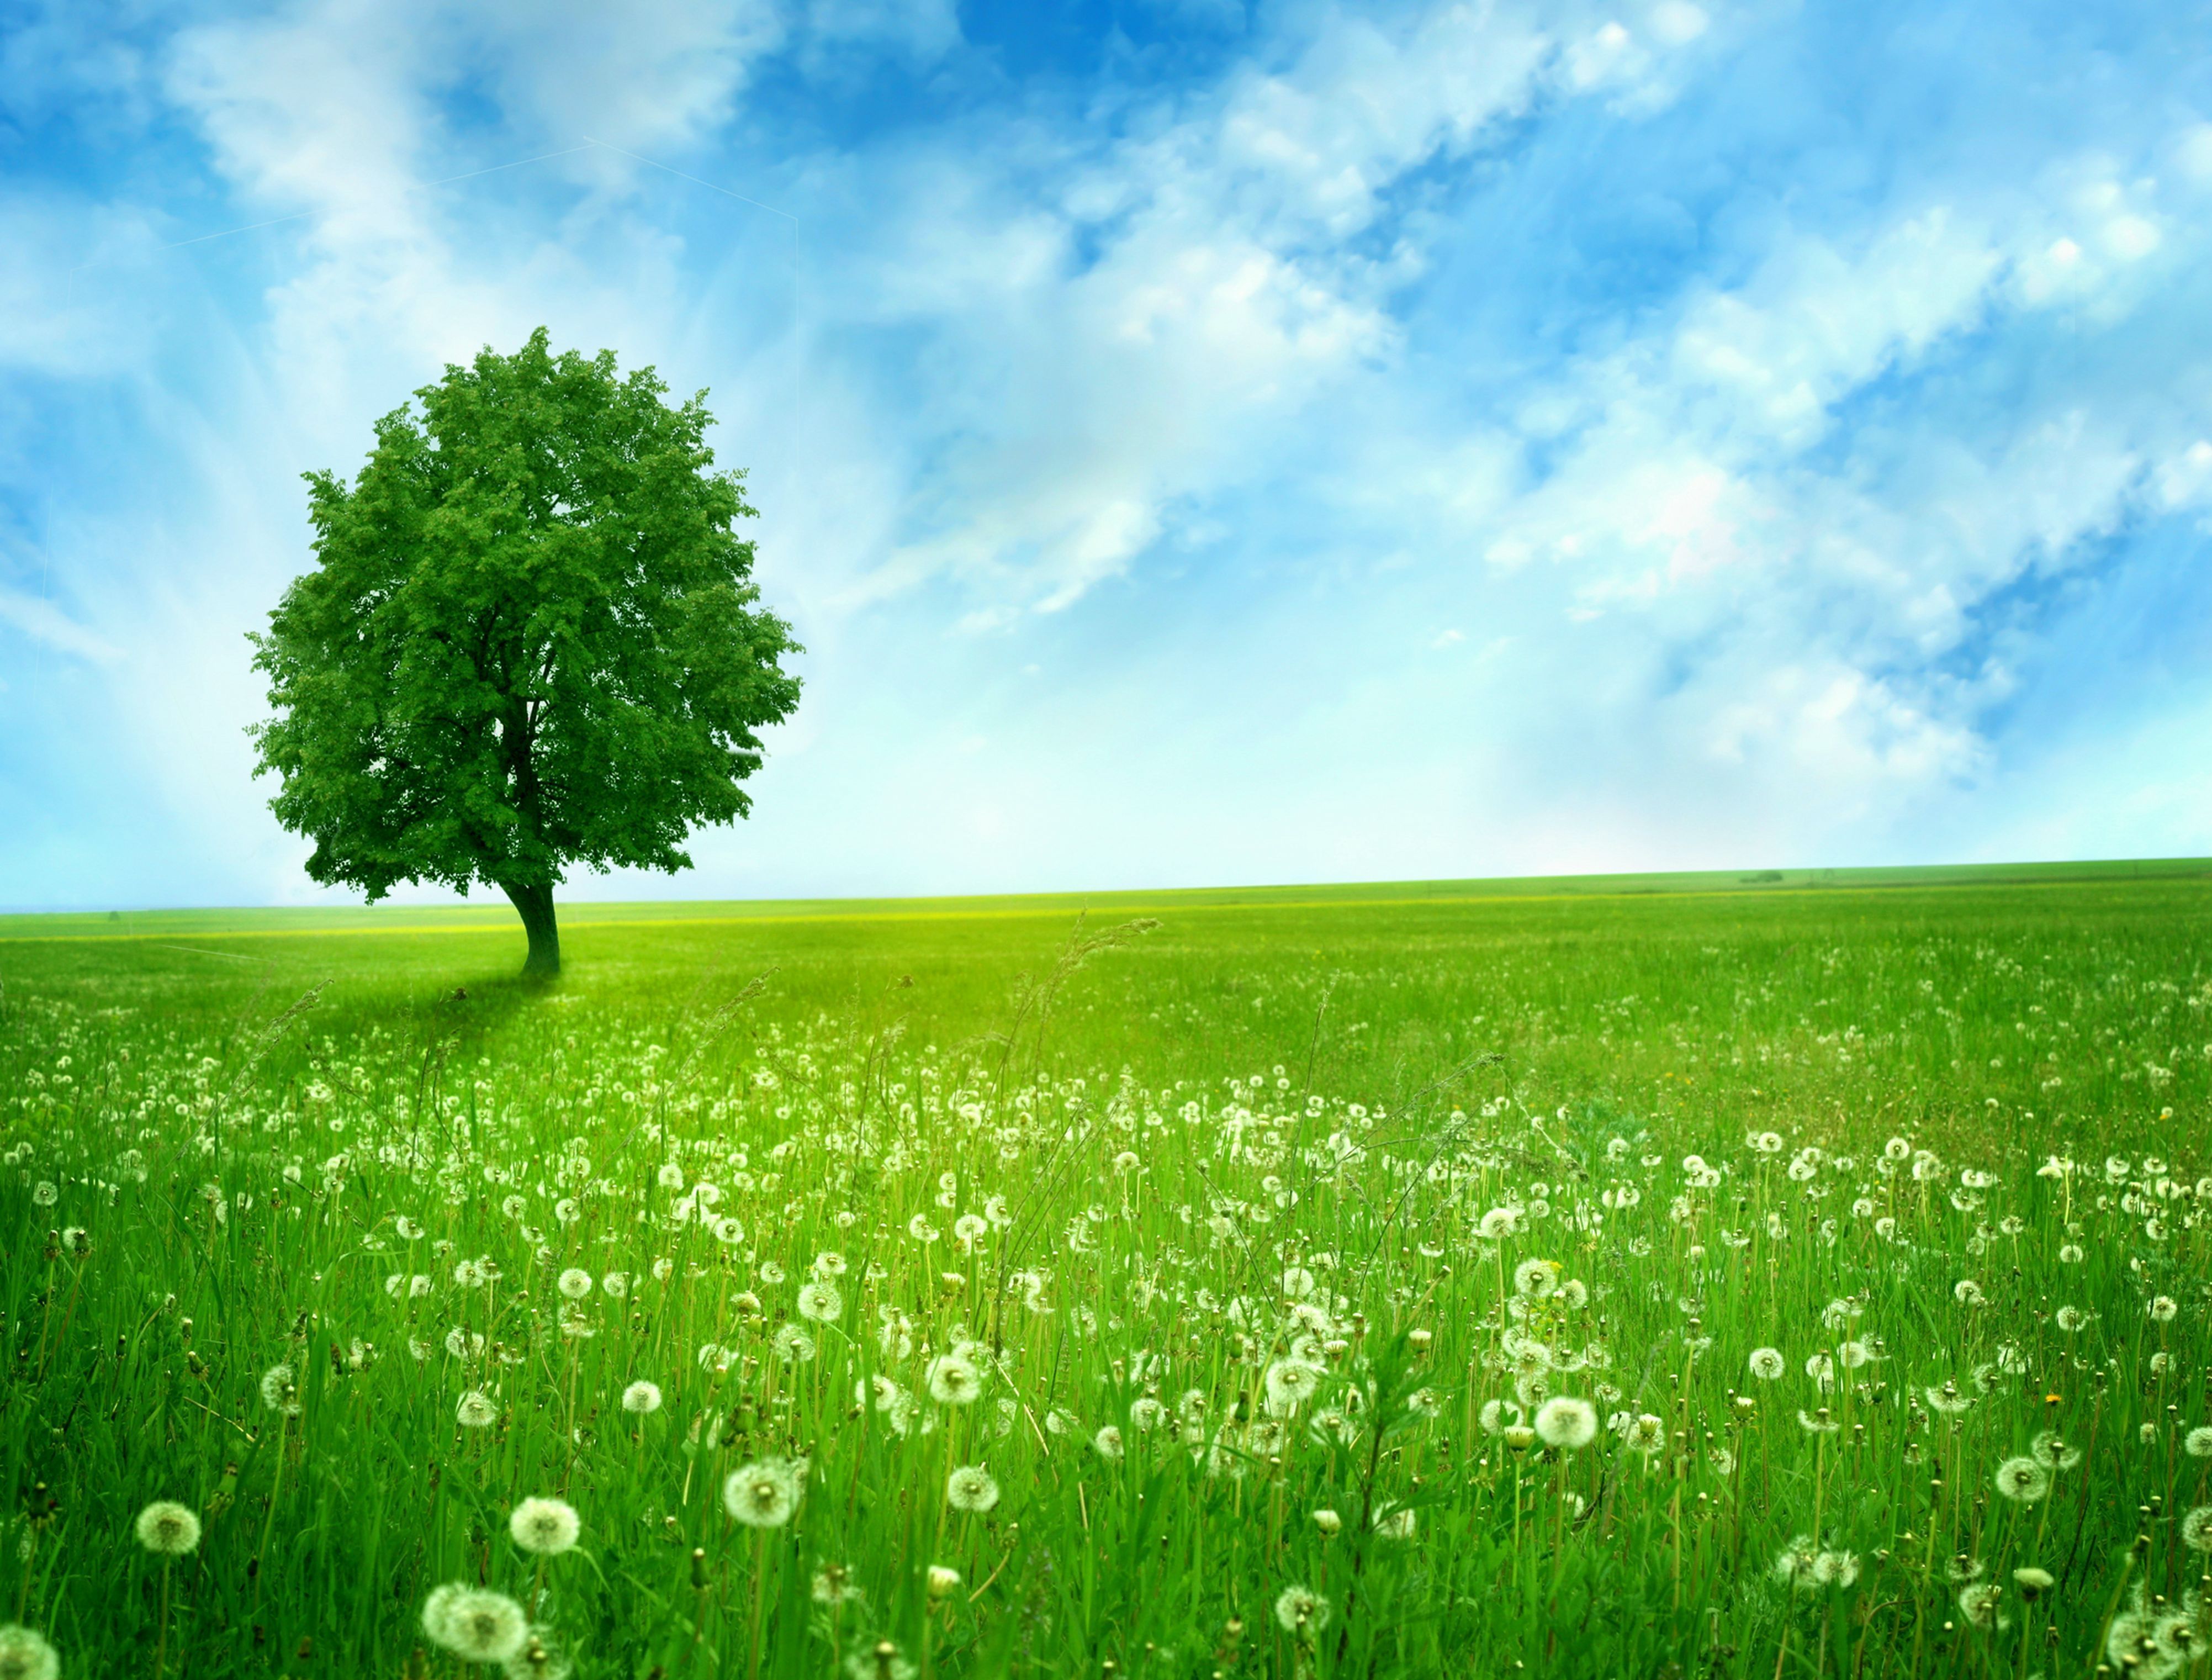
(1628,1277)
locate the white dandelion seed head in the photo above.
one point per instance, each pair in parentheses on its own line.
(475,1623)
(970,1487)
(26,1655)
(820,1302)
(1566,1423)
(1109,1444)
(2023,1481)
(1300,1610)
(765,1493)
(642,1397)
(575,1283)
(2197,1529)
(280,1390)
(953,1380)
(476,1411)
(1767,1363)
(546,1527)
(167,1529)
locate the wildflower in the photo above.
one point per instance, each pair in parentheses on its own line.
(2053,1453)
(1300,1610)
(1395,1522)
(45,1195)
(475,1623)
(1817,1423)
(1834,1568)
(25,1655)
(1646,1434)
(2162,1308)
(642,1397)
(1967,1293)
(476,1411)
(1766,1363)
(953,1381)
(545,1526)
(1108,1441)
(2197,1443)
(2033,1583)
(765,1494)
(970,1489)
(794,1346)
(671,1176)
(1566,1423)
(1290,1384)
(942,1580)
(834,1585)
(1146,1413)
(2070,1318)
(2023,1481)
(1979,1602)
(2197,1529)
(1793,1565)
(1327,1522)
(575,1283)
(1535,1279)
(168,1529)
(615,1285)
(820,1302)
(280,1391)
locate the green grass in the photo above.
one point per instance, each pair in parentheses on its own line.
(1267,1128)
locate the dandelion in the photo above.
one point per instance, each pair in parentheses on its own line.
(834,1585)
(476,1411)
(1395,1522)
(1834,1568)
(2070,1318)
(475,1623)
(2023,1481)
(641,1398)
(2053,1453)
(1535,1279)
(25,1655)
(953,1381)
(1646,1434)
(1327,1522)
(2162,1308)
(765,1494)
(1979,1602)
(820,1302)
(971,1488)
(1818,1421)
(2033,1582)
(2197,1529)
(547,1527)
(794,1346)
(168,1529)
(1146,1413)
(1300,1610)
(1793,1565)
(1767,1363)
(2197,1443)
(575,1283)
(1108,1441)
(1290,1384)
(280,1390)
(942,1580)
(1566,1423)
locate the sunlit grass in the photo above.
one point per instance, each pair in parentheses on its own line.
(1748,1285)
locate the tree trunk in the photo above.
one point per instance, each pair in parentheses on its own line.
(535,905)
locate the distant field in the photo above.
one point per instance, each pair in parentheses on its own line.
(1673,1275)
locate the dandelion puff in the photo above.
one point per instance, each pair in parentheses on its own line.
(2197,1443)
(1835,1568)
(1300,1610)
(1395,1522)
(2197,1529)
(167,1529)
(764,1493)
(1535,1279)
(1767,1363)
(820,1302)
(971,1488)
(547,1527)
(1567,1423)
(475,1623)
(1108,1441)
(1290,1384)
(1793,1564)
(1979,1602)
(280,1390)
(642,1397)
(2023,1481)
(575,1283)
(539,1660)
(476,1411)
(25,1655)
(2053,1453)
(953,1381)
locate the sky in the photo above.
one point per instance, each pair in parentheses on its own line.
(1197,441)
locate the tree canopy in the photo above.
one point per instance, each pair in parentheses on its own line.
(531,640)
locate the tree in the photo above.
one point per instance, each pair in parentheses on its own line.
(531,641)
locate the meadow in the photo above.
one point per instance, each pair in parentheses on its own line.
(1746,1276)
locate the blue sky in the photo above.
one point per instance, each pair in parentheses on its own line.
(1198,441)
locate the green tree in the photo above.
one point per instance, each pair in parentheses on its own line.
(531,641)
